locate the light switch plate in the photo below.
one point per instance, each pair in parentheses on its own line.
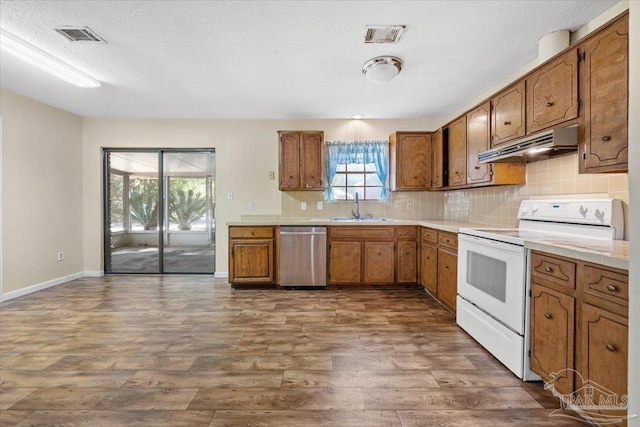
(303,206)
(320,206)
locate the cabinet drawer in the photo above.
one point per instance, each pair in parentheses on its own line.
(407,232)
(362,232)
(545,269)
(448,240)
(429,235)
(603,283)
(250,232)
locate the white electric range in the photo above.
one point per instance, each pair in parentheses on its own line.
(493,265)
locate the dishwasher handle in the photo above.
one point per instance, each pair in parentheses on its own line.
(303,233)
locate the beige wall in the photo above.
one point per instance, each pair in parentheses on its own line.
(246,150)
(41,192)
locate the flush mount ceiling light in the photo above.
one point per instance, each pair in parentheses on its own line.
(41,59)
(382,68)
(357,116)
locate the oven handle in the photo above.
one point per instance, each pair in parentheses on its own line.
(492,243)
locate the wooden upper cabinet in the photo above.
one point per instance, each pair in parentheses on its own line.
(438,170)
(301,160)
(604,82)
(552,93)
(508,114)
(410,159)
(477,141)
(458,152)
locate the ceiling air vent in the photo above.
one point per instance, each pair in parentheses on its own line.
(383,33)
(83,34)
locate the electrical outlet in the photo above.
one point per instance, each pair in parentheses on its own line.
(272,175)
(303,206)
(251,206)
(409,206)
(320,206)
(60,256)
(230,195)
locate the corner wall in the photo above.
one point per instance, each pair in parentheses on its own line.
(41,194)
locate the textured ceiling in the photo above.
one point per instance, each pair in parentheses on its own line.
(279,59)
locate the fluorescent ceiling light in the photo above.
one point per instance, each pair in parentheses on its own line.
(357,116)
(23,50)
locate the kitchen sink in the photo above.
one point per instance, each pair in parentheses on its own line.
(350,219)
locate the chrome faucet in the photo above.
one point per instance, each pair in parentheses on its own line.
(356,214)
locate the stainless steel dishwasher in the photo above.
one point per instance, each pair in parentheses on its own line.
(303,256)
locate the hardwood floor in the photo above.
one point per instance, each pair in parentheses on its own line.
(190,351)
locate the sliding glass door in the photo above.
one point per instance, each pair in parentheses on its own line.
(159,211)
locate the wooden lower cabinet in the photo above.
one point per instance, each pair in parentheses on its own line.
(372,255)
(552,336)
(604,356)
(345,260)
(579,328)
(447,278)
(378,262)
(252,255)
(439,265)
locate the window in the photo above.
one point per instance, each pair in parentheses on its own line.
(357,167)
(355,178)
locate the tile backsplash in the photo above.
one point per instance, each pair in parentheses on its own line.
(554,177)
(491,205)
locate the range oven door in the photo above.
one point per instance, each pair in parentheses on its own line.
(492,276)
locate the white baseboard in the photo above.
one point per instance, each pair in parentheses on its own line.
(40,286)
(93,273)
(221,275)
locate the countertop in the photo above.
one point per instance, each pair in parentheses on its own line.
(613,253)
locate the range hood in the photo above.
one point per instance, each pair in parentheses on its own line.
(539,146)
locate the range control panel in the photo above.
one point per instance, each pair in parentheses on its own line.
(576,211)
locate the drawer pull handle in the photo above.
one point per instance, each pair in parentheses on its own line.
(610,347)
(477,167)
(507,123)
(606,138)
(548,269)
(547,315)
(549,104)
(612,288)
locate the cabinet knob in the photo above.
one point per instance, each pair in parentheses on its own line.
(547,315)
(549,104)
(606,138)
(610,347)
(612,288)
(548,269)
(507,123)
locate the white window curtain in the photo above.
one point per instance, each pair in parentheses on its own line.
(358,152)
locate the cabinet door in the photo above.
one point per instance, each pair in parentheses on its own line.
(507,114)
(438,161)
(289,161)
(605,97)
(458,152)
(407,262)
(378,262)
(552,93)
(447,278)
(312,165)
(413,162)
(552,332)
(604,354)
(429,268)
(345,262)
(477,141)
(251,261)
